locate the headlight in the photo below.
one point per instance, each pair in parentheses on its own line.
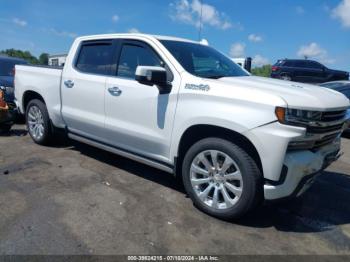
(293,116)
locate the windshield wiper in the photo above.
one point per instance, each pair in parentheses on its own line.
(216,76)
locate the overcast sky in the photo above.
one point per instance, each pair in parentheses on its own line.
(265,30)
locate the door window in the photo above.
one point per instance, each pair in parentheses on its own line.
(302,64)
(315,65)
(95,58)
(133,56)
(312,65)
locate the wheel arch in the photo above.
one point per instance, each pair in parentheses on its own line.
(30,95)
(198,132)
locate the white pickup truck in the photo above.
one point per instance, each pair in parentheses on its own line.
(185,108)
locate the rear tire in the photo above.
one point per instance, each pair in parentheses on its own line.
(221,178)
(38,122)
(286,77)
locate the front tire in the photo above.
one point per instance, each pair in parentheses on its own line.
(221,178)
(38,122)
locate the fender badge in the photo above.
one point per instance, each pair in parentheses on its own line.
(200,87)
(297,86)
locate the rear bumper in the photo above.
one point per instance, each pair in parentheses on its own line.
(274,75)
(300,170)
(8,116)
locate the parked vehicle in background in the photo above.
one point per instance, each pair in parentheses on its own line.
(245,63)
(7,67)
(342,87)
(306,71)
(185,108)
(57,60)
(8,113)
(5,114)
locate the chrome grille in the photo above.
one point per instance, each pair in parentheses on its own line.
(333,115)
(324,129)
(326,140)
(321,132)
(328,129)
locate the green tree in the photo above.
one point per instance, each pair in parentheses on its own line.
(44,59)
(26,55)
(264,70)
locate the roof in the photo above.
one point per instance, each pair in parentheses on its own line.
(158,37)
(297,59)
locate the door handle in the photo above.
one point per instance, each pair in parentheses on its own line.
(115,91)
(69,83)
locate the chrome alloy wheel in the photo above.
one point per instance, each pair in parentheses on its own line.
(286,78)
(216,179)
(35,122)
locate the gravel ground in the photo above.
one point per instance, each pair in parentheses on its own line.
(75,199)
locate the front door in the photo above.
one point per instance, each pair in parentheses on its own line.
(138,118)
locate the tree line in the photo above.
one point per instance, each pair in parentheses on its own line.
(264,70)
(26,55)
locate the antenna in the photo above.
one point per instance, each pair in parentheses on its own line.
(200,21)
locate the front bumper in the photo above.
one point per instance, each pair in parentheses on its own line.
(300,170)
(289,170)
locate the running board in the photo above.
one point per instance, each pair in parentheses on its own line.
(116,151)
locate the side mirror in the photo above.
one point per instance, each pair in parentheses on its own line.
(153,75)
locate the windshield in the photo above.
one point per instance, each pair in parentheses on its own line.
(203,61)
(7,66)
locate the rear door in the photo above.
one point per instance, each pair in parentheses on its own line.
(83,88)
(316,71)
(300,71)
(138,118)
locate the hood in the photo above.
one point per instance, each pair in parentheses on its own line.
(296,95)
(339,72)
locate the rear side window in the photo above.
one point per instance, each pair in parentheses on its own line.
(289,63)
(132,56)
(279,63)
(96,58)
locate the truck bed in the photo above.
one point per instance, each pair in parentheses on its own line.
(43,80)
